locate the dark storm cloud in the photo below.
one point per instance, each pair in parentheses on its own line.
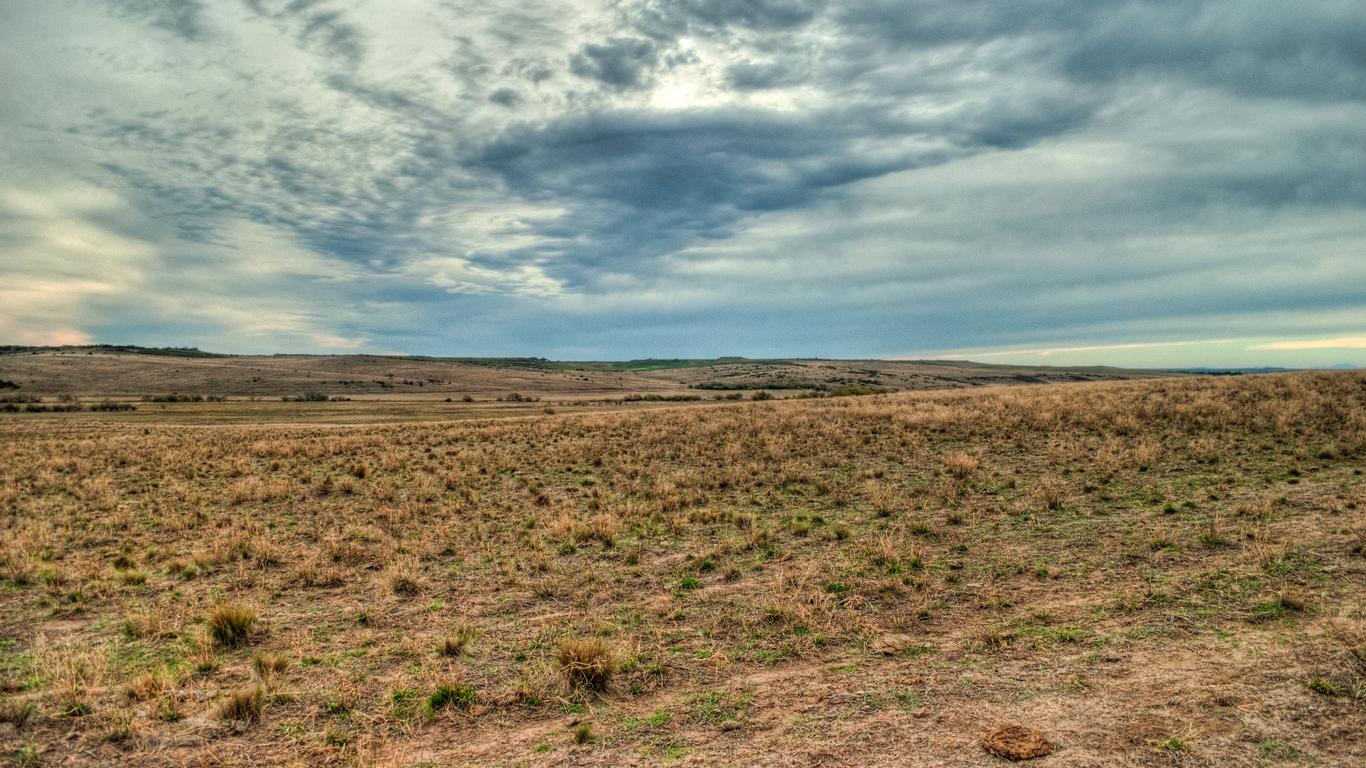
(621,62)
(315,26)
(505,97)
(671,18)
(1257,47)
(757,75)
(937,22)
(640,185)
(1313,51)
(183,18)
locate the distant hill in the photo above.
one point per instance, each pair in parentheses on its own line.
(1231,371)
(137,371)
(110,348)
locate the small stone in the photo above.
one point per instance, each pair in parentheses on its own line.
(1016,742)
(890,645)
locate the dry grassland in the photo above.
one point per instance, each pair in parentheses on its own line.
(1165,572)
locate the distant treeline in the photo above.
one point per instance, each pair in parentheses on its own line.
(36,406)
(178,398)
(818,390)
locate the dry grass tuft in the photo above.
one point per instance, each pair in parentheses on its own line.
(266,665)
(960,464)
(456,644)
(149,685)
(243,705)
(72,677)
(587,663)
(230,624)
(145,622)
(403,579)
(17,713)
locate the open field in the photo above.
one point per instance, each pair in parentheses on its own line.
(1162,572)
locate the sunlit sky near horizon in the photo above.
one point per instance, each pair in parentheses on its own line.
(1159,184)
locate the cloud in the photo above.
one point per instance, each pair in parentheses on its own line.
(315,27)
(458,275)
(1347,342)
(1052,351)
(183,18)
(755,75)
(505,97)
(620,62)
(637,178)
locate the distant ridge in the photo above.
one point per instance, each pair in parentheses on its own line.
(132,349)
(130,370)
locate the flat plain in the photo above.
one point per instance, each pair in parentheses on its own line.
(1165,571)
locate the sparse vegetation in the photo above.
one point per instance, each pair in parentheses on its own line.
(718,581)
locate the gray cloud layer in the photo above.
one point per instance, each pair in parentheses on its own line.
(698,177)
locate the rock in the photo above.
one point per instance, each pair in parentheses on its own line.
(1016,742)
(890,645)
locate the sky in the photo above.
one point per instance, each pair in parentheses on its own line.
(1164,184)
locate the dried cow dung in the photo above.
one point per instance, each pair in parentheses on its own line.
(1016,742)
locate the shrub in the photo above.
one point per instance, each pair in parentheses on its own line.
(230,625)
(587,663)
(306,397)
(174,398)
(109,405)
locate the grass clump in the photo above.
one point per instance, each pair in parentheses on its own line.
(266,665)
(143,623)
(17,713)
(1322,686)
(230,624)
(243,705)
(457,644)
(587,663)
(960,464)
(583,734)
(461,696)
